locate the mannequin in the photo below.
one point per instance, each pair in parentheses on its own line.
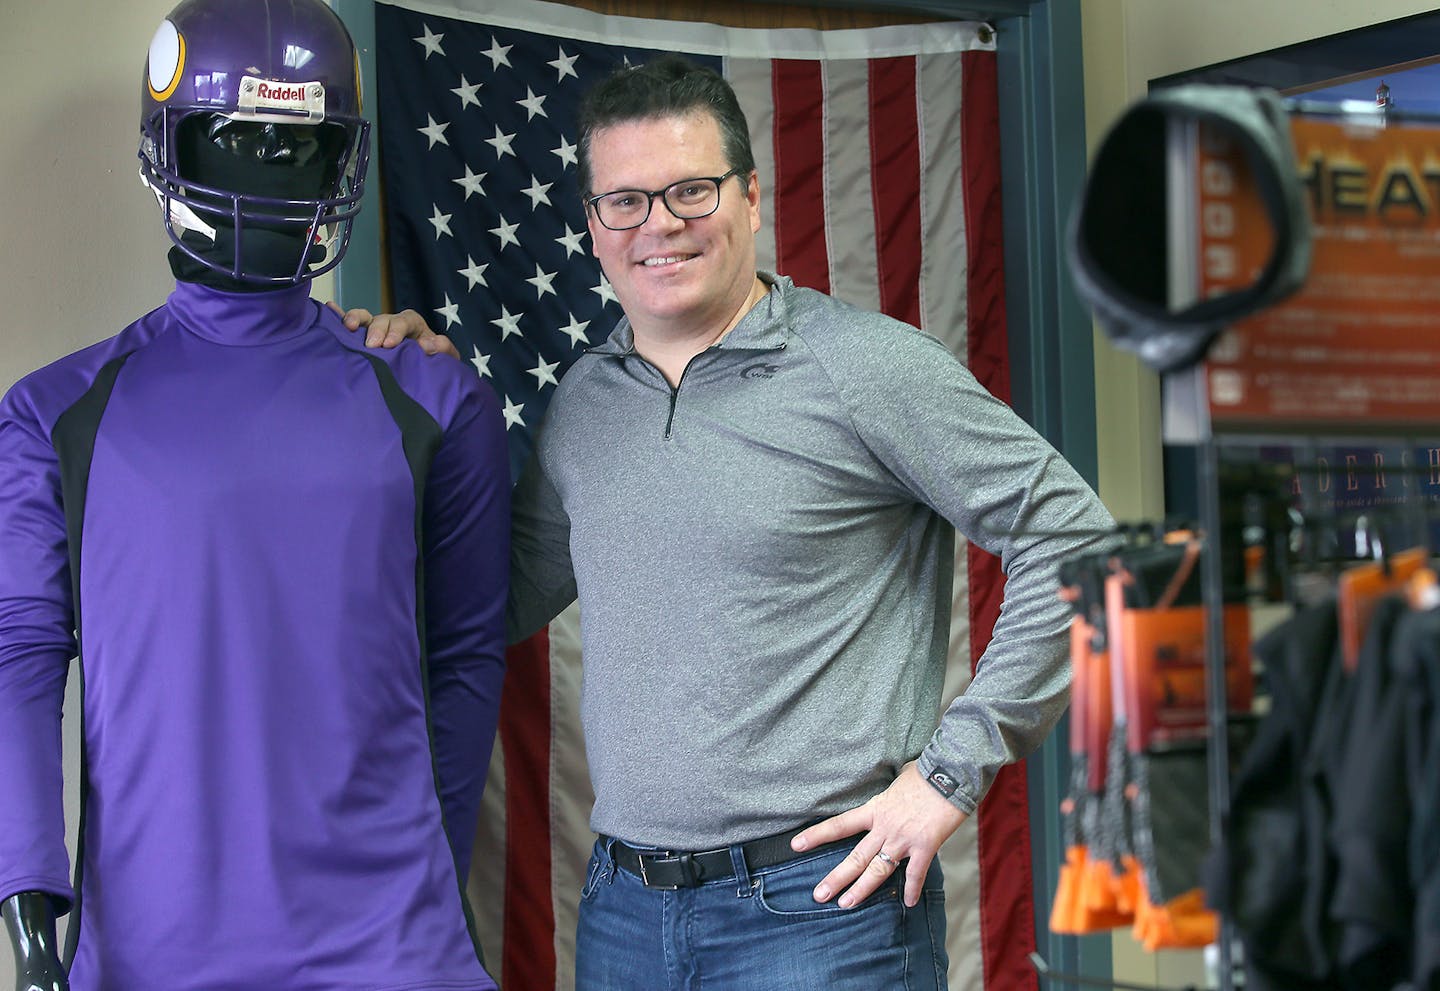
(256,158)
(224,503)
(30,918)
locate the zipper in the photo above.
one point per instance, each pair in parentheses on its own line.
(675,394)
(675,390)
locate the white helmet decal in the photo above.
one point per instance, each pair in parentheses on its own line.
(167,60)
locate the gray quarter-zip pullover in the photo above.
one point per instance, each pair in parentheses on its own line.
(763,557)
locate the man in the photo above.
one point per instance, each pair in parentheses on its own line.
(750,487)
(286,705)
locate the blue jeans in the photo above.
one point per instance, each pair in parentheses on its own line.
(757,931)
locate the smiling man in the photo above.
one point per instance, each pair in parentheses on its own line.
(753,490)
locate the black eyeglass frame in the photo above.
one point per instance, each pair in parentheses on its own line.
(719,180)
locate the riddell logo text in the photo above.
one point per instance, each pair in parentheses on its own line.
(287,93)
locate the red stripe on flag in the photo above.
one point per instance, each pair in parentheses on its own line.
(528,962)
(980,137)
(895,179)
(799,139)
(1007,914)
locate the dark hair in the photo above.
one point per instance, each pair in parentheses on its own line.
(666,86)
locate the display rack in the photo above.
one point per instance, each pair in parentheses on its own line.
(1357,331)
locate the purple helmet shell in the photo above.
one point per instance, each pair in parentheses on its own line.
(268,61)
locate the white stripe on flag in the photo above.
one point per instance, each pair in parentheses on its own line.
(943,280)
(706,38)
(752,82)
(943,275)
(486,886)
(849,207)
(570,794)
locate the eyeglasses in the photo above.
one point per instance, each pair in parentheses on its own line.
(688,199)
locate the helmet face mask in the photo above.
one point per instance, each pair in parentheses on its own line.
(251,136)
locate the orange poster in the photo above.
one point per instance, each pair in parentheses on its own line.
(1358,345)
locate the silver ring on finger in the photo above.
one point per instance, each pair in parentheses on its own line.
(885,859)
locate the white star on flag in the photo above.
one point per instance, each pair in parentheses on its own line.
(575,330)
(435,131)
(570,240)
(606,294)
(470,182)
(538,192)
(441,222)
(511,256)
(541,281)
(474,274)
(431,42)
(506,233)
(534,105)
(566,151)
(450,311)
(497,53)
(544,372)
(509,323)
(501,142)
(481,363)
(511,412)
(564,66)
(466,91)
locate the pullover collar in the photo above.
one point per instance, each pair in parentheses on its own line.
(242,319)
(765,328)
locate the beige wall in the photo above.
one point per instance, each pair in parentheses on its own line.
(1127,43)
(83,252)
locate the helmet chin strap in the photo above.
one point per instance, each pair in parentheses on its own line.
(266,253)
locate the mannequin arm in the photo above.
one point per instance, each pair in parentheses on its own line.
(30,919)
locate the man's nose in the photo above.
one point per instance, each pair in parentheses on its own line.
(661,220)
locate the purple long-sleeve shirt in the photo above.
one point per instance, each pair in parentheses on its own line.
(286,559)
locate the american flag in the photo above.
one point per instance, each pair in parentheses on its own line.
(878,156)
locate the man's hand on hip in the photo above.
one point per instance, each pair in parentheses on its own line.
(908,820)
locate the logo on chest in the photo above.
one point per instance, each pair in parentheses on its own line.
(760,370)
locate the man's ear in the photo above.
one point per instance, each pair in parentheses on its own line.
(592,225)
(752,197)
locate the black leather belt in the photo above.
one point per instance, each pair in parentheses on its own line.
(672,869)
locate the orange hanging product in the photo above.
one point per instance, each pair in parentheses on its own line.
(1361,587)
(1160,636)
(1423,589)
(1181,923)
(1065,914)
(1102,892)
(1087,890)
(1163,688)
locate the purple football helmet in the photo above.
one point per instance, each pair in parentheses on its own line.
(287,66)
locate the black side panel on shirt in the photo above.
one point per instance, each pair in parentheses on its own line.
(74,441)
(421,436)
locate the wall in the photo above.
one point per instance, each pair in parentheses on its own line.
(1127,43)
(84,253)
